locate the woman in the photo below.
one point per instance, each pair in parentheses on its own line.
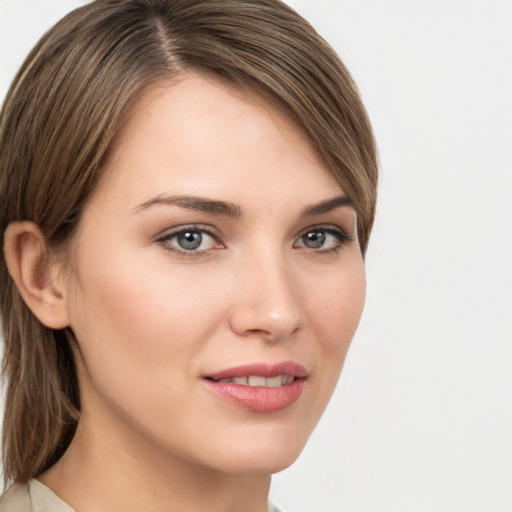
(187,189)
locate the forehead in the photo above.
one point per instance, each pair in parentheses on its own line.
(205,136)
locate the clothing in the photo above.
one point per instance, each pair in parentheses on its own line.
(36,497)
(32,497)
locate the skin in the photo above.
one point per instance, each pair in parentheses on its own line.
(151,319)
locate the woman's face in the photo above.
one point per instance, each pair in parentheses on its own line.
(216,283)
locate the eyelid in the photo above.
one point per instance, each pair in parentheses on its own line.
(206,228)
(344,238)
(170,233)
(326,227)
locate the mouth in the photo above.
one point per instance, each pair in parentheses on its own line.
(259,381)
(260,388)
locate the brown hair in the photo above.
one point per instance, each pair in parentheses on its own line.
(62,114)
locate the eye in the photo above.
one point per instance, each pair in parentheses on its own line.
(324,239)
(189,240)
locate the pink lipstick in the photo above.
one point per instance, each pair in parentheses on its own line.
(259,387)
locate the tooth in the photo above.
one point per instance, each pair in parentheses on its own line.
(223,381)
(240,380)
(256,380)
(288,379)
(274,382)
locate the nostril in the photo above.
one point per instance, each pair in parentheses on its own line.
(267,303)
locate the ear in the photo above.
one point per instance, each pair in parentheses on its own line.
(37,278)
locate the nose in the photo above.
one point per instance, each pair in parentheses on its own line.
(267,302)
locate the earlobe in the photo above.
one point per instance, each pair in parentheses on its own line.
(34,274)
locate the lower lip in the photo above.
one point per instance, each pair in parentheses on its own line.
(256,398)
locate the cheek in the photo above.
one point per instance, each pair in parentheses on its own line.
(339,306)
(336,313)
(139,333)
(135,319)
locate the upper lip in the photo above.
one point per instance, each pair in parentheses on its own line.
(261,369)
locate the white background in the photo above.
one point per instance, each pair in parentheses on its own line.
(422,418)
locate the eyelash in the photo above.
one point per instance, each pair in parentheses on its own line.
(183,253)
(339,234)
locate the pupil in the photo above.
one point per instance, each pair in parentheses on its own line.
(314,239)
(190,240)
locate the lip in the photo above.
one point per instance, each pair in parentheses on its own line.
(255,398)
(262,369)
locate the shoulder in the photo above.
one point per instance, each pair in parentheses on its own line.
(32,497)
(16,499)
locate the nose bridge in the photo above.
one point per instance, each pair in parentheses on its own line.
(267,300)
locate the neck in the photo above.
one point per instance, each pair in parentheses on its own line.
(110,469)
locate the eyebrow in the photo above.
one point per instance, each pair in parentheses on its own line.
(327,206)
(199,203)
(232,210)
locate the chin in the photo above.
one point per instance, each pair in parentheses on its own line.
(268,463)
(260,452)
